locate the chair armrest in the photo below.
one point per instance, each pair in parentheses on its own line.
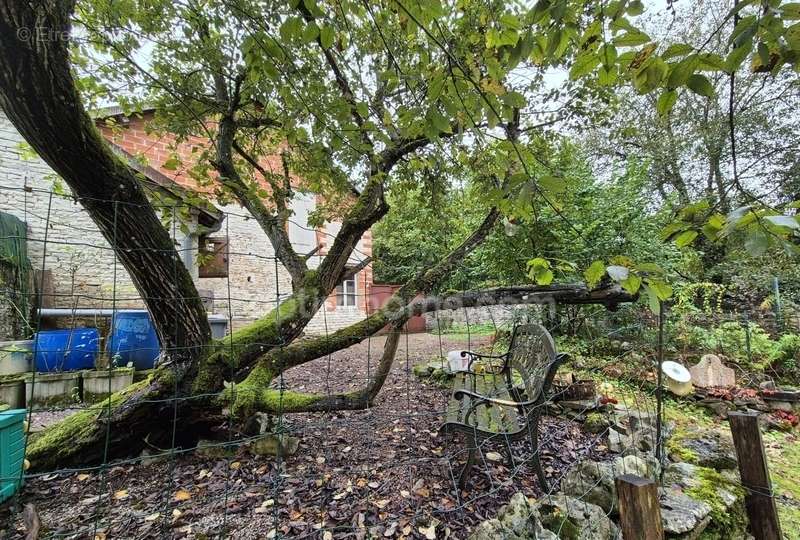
(458,394)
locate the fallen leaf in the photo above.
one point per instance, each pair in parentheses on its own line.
(327,535)
(204,473)
(381,504)
(235,465)
(405,494)
(153,517)
(182,495)
(99,535)
(320,460)
(83,476)
(428,532)
(494,456)
(121,494)
(374,485)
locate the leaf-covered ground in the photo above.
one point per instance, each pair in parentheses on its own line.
(384,472)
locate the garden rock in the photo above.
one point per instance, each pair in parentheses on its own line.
(710,371)
(593,481)
(633,431)
(271,444)
(437,371)
(681,514)
(687,476)
(707,448)
(518,520)
(576,519)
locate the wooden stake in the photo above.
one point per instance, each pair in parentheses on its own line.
(639,512)
(758,500)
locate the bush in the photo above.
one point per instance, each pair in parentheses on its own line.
(730,339)
(786,356)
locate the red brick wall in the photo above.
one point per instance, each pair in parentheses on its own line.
(133,137)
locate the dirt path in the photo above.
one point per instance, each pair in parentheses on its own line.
(384,472)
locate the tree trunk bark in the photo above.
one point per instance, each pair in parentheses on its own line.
(38,94)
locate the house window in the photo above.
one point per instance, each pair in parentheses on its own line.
(213,259)
(346,292)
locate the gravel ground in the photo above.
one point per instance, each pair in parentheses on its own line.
(383,472)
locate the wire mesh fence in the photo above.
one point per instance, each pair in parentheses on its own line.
(377,466)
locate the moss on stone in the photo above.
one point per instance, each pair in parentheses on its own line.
(726,523)
(558,522)
(595,423)
(679,452)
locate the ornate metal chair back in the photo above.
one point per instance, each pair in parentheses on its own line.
(531,353)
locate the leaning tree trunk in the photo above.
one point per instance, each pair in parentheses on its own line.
(38,94)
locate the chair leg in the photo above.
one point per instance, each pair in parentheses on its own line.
(509,454)
(533,428)
(464,475)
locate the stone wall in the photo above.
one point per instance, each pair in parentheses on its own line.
(493,315)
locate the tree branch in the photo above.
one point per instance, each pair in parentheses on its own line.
(341,80)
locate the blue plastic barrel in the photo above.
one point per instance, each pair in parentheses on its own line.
(66,350)
(133,339)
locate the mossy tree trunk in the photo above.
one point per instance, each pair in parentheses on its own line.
(38,93)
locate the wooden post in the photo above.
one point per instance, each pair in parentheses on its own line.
(639,512)
(758,500)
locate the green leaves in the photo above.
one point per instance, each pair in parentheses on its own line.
(583,65)
(790,11)
(685,238)
(666,101)
(700,85)
(552,184)
(594,273)
(631,38)
(680,72)
(631,283)
(737,56)
(291,28)
(539,271)
(327,35)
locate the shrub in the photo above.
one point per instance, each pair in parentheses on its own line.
(786,356)
(730,339)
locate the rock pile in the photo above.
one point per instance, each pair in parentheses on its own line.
(699,489)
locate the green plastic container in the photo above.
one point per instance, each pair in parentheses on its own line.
(12,451)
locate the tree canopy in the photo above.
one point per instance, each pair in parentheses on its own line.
(407,103)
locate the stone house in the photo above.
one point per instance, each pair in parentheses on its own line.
(229,256)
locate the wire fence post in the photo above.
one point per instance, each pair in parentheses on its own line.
(777,291)
(758,500)
(639,511)
(660,382)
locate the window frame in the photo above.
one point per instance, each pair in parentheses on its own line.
(347,293)
(219,265)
